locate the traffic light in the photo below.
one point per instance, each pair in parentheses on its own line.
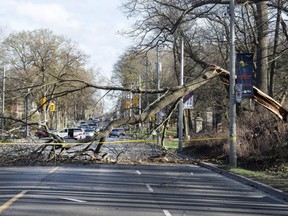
(52,107)
(135,101)
(152,118)
(127,104)
(43,101)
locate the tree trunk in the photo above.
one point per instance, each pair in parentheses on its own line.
(186,126)
(274,56)
(262,46)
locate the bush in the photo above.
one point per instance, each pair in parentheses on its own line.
(256,135)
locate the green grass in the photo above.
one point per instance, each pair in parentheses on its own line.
(171,144)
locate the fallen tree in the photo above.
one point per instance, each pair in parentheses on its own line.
(169,95)
(173,94)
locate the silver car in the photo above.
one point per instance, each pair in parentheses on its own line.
(89,132)
(72,133)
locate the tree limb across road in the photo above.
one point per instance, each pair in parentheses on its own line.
(173,94)
(169,96)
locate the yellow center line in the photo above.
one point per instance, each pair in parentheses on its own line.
(12,200)
(53,170)
(20,195)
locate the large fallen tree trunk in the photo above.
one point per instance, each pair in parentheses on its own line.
(259,97)
(172,94)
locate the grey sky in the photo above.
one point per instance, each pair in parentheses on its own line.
(92,24)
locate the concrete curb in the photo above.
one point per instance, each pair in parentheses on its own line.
(260,186)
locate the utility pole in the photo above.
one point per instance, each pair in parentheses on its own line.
(146,87)
(130,100)
(3,104)
(158,95)
(140,100)
(26,113)
(147,77)
(180,118)
(232,154)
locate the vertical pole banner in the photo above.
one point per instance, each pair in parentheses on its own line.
(188,100)
(244,72)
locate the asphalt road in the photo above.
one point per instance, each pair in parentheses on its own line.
(129,190)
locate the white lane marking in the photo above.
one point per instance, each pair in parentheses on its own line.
(167,213)
(192,173)
(73,200)
(149,187)
(255,196)
(53,170)
(138,172)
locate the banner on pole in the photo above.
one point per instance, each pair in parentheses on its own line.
(244,72)
(188,101)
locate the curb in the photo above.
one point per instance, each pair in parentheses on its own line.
(258,185)
(255,184)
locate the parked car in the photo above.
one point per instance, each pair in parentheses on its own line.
(117,132)
(41,133)
(92,125)
(89,132)
(72,133)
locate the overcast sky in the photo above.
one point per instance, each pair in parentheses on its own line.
(92,24)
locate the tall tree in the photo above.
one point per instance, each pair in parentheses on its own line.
(38,61)
(262,26)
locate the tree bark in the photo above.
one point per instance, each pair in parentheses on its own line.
(262,46)
(276,39)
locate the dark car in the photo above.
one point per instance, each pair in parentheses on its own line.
(42,133)
(117,132)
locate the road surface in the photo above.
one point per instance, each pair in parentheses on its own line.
(129,190)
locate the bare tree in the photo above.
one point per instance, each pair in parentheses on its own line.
(37,61)
(159,25)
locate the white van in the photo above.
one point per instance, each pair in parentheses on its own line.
(72,133)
